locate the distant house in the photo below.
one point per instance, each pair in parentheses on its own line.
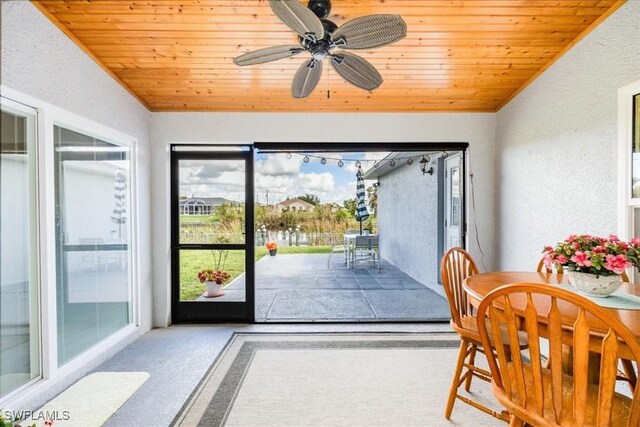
(294,205)
(203,205)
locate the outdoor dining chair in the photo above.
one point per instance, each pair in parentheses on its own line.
(541,396)
(365,249)
(456,266)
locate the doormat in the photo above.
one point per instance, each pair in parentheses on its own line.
(93,399)
(361,379)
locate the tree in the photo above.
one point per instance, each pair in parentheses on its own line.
(350,205)
(372,196)
(310,198)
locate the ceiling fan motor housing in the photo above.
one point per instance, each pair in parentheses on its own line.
(320,48)
(321,8)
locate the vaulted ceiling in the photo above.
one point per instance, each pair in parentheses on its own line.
(459,55)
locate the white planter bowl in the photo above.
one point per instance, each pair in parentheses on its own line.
(589,284)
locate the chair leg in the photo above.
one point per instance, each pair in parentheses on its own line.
(515,422)
(462,354)
(630,373)
(472,360)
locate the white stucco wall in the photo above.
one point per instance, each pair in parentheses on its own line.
(408,221)
(477,129)
(557,144)
(42,62)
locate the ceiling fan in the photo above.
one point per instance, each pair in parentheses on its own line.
(319,36)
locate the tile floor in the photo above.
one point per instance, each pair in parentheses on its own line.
(309,288)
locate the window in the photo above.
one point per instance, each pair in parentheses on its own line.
(93,240)
(635,140)
(19,314)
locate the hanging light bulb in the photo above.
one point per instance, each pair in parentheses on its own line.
(340,163)
(392,163)
(358,164)
(428,158)
(288,155)
(323,161)
(409,161)
(445,154)
(306,159)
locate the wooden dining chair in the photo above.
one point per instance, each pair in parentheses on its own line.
(456,266)
(547,396)
(628,371)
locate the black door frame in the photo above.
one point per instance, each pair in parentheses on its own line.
(212,311)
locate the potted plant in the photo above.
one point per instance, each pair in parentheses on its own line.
(272,247)
(214,280)
(594,264)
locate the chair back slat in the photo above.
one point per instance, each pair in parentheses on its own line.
(456,266)
(514,353)
(555,353)
(531,324)
(580,367)
(608,373)
(500,348)
(535,392)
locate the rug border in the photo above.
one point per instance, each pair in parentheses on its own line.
(236,334)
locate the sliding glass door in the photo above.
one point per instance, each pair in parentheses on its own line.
(93,240)
(19,314)
(212,242)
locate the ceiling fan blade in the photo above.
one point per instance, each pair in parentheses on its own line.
(298,17)
(267,54)
(306,78)
(356,70)
(370,31)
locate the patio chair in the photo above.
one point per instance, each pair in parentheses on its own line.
(335,249)
(456,266)
(365,249)
(547,397)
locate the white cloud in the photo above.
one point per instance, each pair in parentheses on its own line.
(278,165)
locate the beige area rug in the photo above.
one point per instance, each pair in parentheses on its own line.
(334,380)
(93,399)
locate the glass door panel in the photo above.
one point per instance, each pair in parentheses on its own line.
(19,314)
(93,240)
(211,208)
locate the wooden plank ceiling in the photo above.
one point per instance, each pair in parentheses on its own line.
(459,55)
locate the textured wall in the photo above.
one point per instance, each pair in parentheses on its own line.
(477,129)
(408,221)
(557,143)
(40,61)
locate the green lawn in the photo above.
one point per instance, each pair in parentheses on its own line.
(193,261)
(199,218)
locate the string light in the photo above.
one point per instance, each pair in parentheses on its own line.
(341,161)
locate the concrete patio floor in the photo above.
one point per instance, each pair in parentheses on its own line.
(304,288)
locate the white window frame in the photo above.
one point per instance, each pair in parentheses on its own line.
(48,116)
(626,203)
(35,327)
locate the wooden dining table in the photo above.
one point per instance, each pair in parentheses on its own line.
(479,285)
